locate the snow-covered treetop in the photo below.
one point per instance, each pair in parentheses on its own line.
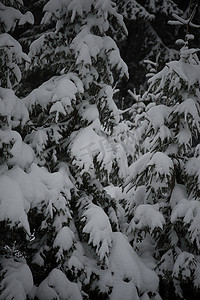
(79,42)
(182,74)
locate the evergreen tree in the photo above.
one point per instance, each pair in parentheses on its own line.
(163,207)
(148,35)
(15,274)
(61,208)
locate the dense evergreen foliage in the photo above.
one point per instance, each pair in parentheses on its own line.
(97,202)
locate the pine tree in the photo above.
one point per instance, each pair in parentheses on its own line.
(15,274)
(65,174)
(148,35)
(163,187)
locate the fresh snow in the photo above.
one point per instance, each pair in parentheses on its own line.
(162,163)
(57,286)
(90,142)
(98,227)
(64,241)
(189,73)
(12,204)
(157,115)
(104,235)
(179,193)
(12,55)
(21,191)
(60,90)
(147,215)
(88,112)
(19,153)
(189,212)
(130,272)
(9,16)
(18,282)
